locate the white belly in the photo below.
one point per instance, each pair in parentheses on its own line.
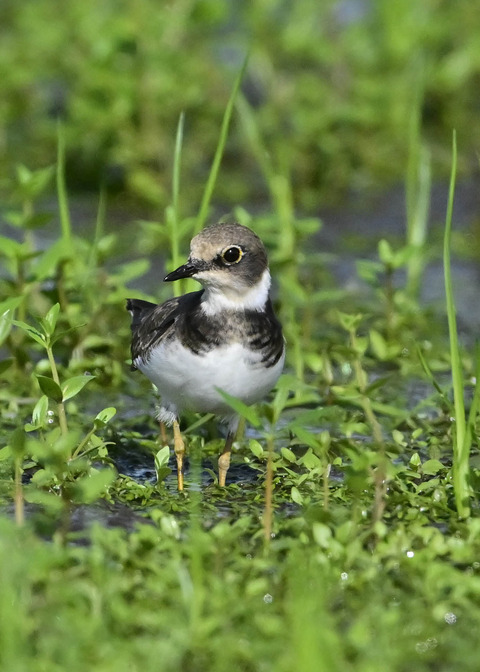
(187,381)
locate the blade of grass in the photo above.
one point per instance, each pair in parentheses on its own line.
(65,221)
(418,184)
(460,460)
(212,178)
(474,408)
(173,211)
(99,227)
(434,381)
(275,176)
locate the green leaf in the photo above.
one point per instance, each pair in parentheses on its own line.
(310,460)
(17,443)
(50,388)
(288,455)
(72,386)
(49,322)
(33,182)
(385,252)
(50,501)
(242,409)
(132,270)
(432,467)
(31,331)
(256,448)
(90,487)
(39,414)
(378,344)
(415,461)
(6,364)
(369,270)
(162,469)
(11,303)
(305,436)
(308,226)
(104,417)
(48,262)
(162,457)
(322,534)
(296,495)
(398,437)
(11,248)
(38,220)
(7,310)
(349,322)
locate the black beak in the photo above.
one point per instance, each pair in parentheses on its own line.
(185,271)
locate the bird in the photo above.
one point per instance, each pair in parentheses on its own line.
(224,337)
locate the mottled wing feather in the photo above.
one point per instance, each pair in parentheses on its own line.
(152,323)
(183,317)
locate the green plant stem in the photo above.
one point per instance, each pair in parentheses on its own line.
(472,415)
(18,498)
(65,221)
(418,183)
(62,417)
(268,510)
(83,443)
(278,181)
(173,212)
(380,473)
(212,178)
(325,483)
(198,572)
(461,456)
(177,163)
(389,300)
(99,228)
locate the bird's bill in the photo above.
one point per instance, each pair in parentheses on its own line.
(185,271)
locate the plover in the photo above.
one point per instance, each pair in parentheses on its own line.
(223,337)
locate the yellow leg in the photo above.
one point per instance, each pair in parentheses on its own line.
(179,448)
(224,460)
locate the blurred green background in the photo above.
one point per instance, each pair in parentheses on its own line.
(334,87)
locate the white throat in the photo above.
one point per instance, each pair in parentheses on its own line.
(216,299)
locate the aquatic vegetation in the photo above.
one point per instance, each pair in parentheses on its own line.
(349,537)
(336,88)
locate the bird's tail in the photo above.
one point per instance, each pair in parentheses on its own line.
(138,309)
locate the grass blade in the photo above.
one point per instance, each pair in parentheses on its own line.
(212,178)
(460,457)
(474,408)
(65,220)
(173,211)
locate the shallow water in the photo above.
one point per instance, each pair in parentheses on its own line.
(349,232)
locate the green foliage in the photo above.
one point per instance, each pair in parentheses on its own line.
(336,89)
(341,547)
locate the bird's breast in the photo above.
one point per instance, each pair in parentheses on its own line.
(190,381)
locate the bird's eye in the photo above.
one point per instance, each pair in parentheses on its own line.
(232,255)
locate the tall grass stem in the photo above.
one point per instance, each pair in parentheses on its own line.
(212,178)
(460,457)
(173,212)
(268,510)
(65,221)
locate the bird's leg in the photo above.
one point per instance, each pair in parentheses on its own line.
(179,448)
(224,459)
(163,434)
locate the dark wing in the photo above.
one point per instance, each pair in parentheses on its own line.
(153,323)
